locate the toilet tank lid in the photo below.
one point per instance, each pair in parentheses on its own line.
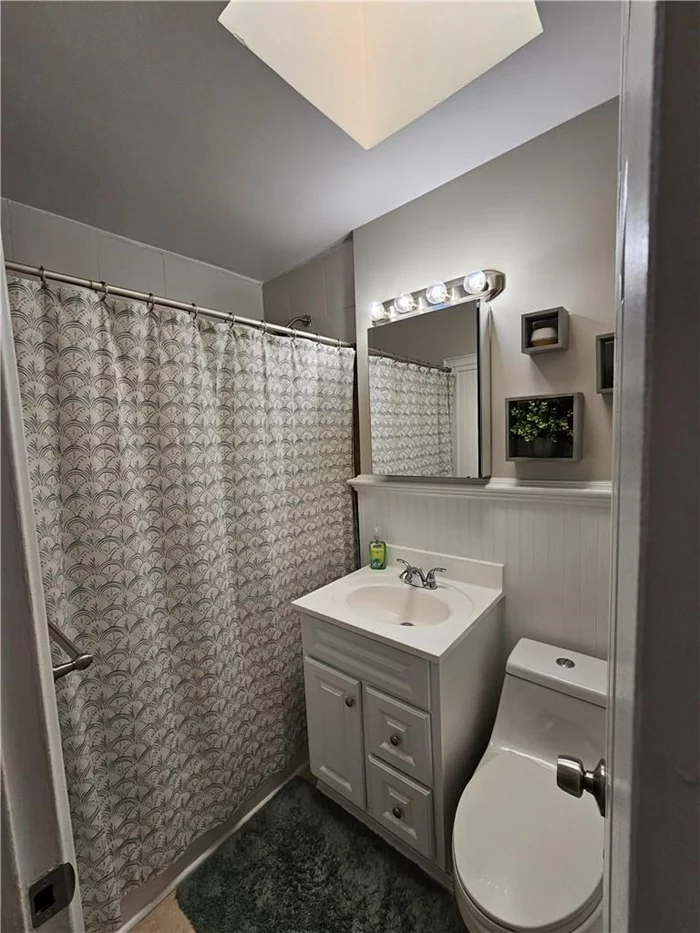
(578,675)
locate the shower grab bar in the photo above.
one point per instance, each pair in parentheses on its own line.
(78,660)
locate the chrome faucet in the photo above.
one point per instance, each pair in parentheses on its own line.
(427,580)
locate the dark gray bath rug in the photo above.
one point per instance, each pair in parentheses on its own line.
(303,865)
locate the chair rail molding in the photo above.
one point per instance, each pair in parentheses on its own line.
(593,493)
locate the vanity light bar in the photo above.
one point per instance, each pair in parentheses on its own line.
(480,285)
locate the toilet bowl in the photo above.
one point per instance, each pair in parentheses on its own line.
(528,858)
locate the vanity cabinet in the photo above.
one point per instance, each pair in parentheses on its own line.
(393,736)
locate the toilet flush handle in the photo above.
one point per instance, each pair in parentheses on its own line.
(573,778)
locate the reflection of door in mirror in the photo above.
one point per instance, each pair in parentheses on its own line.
(425,393)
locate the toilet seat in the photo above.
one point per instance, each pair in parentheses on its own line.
(527,856)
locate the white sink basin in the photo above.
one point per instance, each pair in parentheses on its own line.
(400,604)
(428,623)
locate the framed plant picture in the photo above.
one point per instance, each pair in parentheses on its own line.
(544,427)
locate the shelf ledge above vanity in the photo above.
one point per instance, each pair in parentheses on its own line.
(596,493)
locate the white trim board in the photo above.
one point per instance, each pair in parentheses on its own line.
(596,493)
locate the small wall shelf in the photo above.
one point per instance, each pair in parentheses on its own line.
(555,318)
(566,450)
(605,363)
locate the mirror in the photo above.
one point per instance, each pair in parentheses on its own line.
(429,388)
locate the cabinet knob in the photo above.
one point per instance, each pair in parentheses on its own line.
(398,812)
(349,701)
(395,740)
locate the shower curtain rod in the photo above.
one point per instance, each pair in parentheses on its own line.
(407,359)
(192,308)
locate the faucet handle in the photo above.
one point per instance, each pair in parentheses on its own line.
(430,581)
(406,572)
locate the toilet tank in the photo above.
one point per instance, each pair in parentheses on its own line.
(553,703)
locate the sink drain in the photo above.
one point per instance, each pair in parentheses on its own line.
(406,623)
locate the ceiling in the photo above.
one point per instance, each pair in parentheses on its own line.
(150,121)
(373,68)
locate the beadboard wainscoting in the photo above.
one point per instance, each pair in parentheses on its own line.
(554,540)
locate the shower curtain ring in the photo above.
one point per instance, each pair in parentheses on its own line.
(105,289)
(194,311)
(151,302)
(42,276)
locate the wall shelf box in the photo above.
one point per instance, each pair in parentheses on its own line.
(605,363)
(556,318)
(565,451)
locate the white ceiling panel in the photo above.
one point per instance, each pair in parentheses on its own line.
(374,67)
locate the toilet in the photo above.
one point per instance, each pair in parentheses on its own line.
(527,857)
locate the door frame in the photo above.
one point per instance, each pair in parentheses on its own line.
(652,842)
(36,825)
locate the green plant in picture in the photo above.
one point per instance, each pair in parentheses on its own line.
(542,422)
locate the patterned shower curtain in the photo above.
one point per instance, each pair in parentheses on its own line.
(411,411)
(189,480)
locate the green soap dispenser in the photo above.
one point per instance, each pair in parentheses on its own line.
(377,552)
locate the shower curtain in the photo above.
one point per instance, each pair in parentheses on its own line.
(411,412)
(189,480)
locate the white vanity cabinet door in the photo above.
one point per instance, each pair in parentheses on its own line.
(401,805)
(334,715)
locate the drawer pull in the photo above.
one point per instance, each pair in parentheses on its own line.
(349,701)
(395,740)
(398,812)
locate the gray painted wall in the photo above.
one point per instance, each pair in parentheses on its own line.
(39,238)
(544,214)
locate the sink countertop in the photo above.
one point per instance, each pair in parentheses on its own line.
(480,582)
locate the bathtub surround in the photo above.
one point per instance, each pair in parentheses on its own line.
(323,287)
(189,480)
(301,864)
(38,238)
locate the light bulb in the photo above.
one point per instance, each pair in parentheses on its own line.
(376,311)
(436,294)
(405,303)
(475,282)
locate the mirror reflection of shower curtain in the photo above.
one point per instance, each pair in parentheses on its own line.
(411,418)
(189,480)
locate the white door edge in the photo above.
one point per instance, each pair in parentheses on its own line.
(34,784)
(651,853)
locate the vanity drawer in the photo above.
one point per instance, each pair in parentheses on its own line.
(400,805)
(398,734)
(402,674)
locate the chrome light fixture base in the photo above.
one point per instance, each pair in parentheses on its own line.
(409,304)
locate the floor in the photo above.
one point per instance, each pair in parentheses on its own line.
(166,918)
(269,875)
